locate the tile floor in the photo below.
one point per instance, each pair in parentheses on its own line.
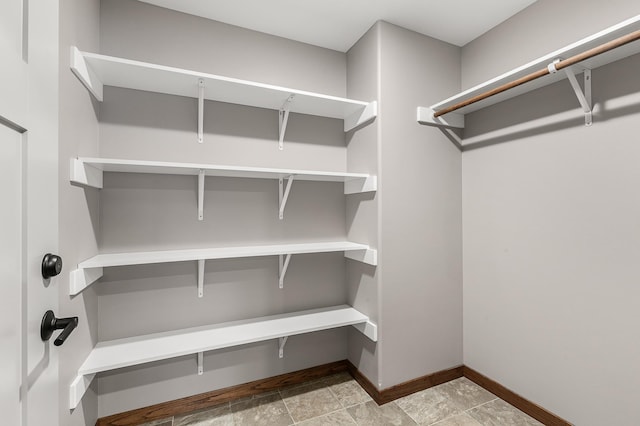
(339,400)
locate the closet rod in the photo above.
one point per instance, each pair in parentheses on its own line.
(621,41)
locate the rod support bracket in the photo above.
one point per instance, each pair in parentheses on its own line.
(583,95)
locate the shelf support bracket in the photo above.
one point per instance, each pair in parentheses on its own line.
(283,118)
(281,342)
(200,363)
(201,195)
(201,277)
(283,194)
(200,111)
(283,264)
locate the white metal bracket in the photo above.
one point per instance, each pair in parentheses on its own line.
(283,118)
(200,363)
(283,264)
(281,342)
(283,194)
(584,97)
(200,111)
(201,277)
(201,195)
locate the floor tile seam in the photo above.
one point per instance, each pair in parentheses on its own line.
(344,407)
(450,417)
(404,411)
(323,415)
(358,403)
(286,407)
(355,421)
(462,409)
(480,405)
(443,397)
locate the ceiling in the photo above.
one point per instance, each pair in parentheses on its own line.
(338,24)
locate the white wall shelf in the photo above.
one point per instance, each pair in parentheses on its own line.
(91,269)
(455,119)
(89,172)
(111,355)
(96,71)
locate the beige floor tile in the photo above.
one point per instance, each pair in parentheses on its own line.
(428,406)
(306,402)
(459,420)
(217,416)
(267,411)
(163,422)
(499,413)
(347,390)
(339,418)
(464,393)
(371,414)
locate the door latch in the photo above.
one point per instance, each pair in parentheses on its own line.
(50,324)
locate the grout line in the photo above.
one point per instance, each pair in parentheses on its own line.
(335,396)
(342,406)
(321,415)
(345,406)
(409,415)
(484,403)
(286,407)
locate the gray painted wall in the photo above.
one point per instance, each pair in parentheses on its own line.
(78,209)
(550,224)
(416,212)
(421,218)
(363,218)
(153,212)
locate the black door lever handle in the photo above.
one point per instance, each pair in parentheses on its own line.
(50,323)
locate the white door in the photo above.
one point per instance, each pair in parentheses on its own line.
(28,209)
(11,273)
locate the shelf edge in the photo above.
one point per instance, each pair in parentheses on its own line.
(85,74)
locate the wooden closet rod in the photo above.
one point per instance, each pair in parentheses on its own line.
(621,41)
